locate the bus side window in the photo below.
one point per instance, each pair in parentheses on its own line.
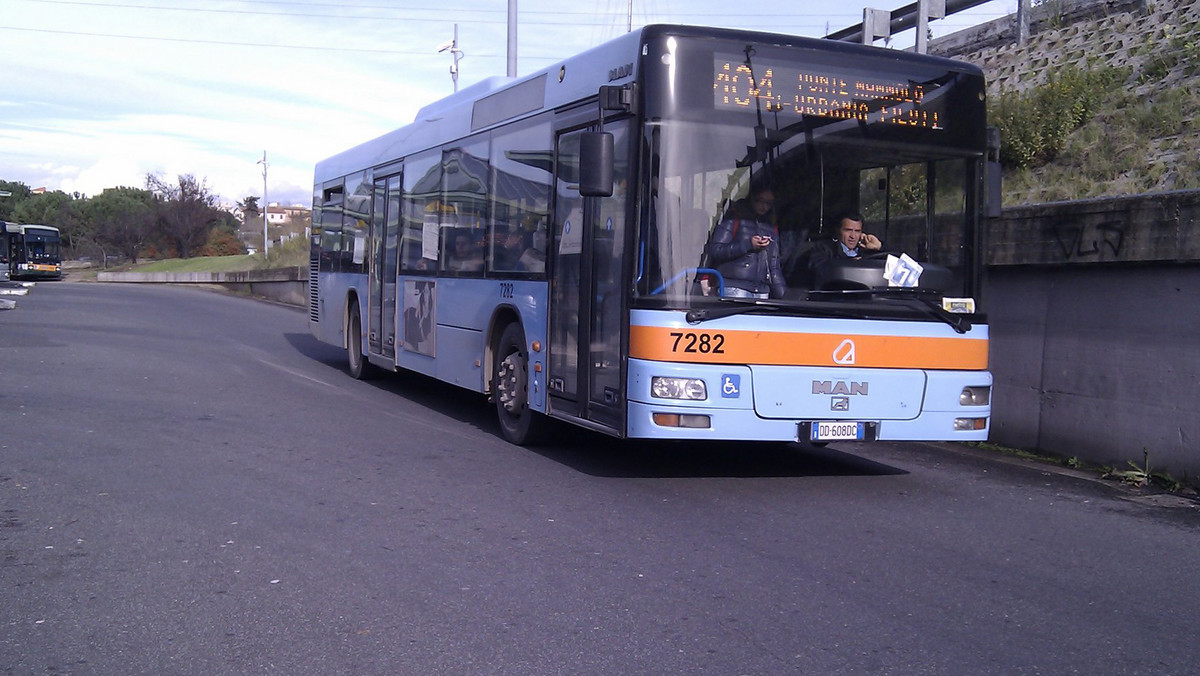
(519,199)
(463,251)
(422,181)
(331,227)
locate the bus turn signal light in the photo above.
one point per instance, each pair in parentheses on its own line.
(969,424)
(681,420)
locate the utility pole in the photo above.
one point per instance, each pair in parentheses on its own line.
(263,162)
(1023,22)
(512,38)
(456,53)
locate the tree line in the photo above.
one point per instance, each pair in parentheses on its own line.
(165,219)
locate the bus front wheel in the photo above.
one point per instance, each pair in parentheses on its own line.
(360,368)
(510,388)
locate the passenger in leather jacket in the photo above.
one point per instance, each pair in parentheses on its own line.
(745,250)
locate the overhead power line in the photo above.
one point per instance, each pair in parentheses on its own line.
(224,43)
(439,13)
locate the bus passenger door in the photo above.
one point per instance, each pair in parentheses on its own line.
(385,226)
(587,307)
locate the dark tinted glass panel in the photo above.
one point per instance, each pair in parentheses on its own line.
(354,223)
(463,208)
(420,213)
(520,198)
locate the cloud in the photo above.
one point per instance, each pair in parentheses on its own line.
(109,172)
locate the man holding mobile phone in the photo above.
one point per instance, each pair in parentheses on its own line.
(851,242)
(745,250)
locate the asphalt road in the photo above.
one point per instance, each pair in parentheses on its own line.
(190,484)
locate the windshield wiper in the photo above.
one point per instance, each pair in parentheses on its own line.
(925,299)
(958,322)
(736,307)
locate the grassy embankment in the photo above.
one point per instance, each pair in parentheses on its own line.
(293,253)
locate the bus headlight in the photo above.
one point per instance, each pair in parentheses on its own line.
(692,389)
(975,396)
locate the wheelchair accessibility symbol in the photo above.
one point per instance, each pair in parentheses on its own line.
(731,386)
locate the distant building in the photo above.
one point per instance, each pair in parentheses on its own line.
(283,223)
(298,213)
(276,215)
(288,215)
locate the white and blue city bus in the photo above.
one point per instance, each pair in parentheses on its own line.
(542,240)
(32,251)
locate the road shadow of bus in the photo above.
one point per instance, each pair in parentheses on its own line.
(600,455)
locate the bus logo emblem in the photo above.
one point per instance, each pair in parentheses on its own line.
(731,386)
(844,354)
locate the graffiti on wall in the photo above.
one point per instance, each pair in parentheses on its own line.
(1099,241)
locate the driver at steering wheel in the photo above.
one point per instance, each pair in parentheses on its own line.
(851,242)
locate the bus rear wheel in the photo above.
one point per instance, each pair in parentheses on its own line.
(510,389)
(360,368)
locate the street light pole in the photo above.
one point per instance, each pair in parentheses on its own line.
(512,38)
(455,52)
(263,162)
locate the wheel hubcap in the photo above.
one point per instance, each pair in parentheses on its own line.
(510,383)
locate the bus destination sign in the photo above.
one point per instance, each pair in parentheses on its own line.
(821,92)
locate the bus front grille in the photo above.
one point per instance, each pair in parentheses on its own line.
(314,314)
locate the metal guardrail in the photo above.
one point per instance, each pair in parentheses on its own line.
(902,19)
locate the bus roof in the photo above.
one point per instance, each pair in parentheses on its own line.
(22,227)
(500,99)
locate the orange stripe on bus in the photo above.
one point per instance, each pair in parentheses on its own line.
(694,345)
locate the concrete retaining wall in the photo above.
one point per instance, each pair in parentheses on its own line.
(1094,309)
(1147,228)
(1098,362)
(1094,305)
(285,285)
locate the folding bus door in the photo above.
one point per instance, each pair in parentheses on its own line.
(385,226)
(587,311)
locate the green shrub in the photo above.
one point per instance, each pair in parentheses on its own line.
(292,253)
(1034,125)
(1164,114)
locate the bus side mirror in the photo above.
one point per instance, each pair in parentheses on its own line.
(596,164)
(992,197)
(992,188)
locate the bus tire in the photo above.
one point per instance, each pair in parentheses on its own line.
(360,368)
(519,423)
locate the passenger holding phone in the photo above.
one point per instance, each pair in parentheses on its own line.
(745,250)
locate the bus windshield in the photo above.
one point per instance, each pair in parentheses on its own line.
(41,246)
(824,144)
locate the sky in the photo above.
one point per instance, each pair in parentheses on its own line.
(99,93)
